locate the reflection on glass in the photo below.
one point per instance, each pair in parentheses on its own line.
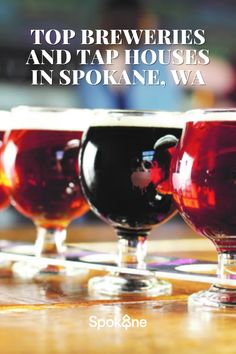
(124,174)
(204,188)
(41,163)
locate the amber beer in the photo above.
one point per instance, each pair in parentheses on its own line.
(4,186)
(41,163)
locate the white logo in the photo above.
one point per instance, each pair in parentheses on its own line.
(125,322)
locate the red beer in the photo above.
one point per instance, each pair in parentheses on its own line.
(40,159)
(43,173)
(204,180)
(204,188)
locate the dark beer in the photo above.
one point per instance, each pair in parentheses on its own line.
(125,166)
(123,177)
(204,179)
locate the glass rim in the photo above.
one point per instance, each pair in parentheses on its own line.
(133,118)
(49,118)
(210,115)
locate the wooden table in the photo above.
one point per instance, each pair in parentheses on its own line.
(55,316)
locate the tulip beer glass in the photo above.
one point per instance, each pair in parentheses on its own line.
(204,188)
(126,182)
(41,163)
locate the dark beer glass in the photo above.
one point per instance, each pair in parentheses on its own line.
(204,188)
(41,164)
(126,184)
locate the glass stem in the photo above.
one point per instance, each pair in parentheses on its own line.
(227,265)
(132,248)
(50,242)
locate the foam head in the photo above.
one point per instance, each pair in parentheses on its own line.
(44,118)
(132,118)
(208,115)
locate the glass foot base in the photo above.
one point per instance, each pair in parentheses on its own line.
(5,269)
(24,270)
(215,297)
(119,284)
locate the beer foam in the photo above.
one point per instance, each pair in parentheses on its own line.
(46,118)
(210,115)
(132,118)
(5,120)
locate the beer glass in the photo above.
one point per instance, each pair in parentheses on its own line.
(40,159)
(203,176)
(126,184)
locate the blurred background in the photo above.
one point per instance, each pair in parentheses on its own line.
(18,17)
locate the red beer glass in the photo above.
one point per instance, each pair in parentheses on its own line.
(40,159)
(203,177)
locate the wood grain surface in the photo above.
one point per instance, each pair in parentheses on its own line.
(54,315)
